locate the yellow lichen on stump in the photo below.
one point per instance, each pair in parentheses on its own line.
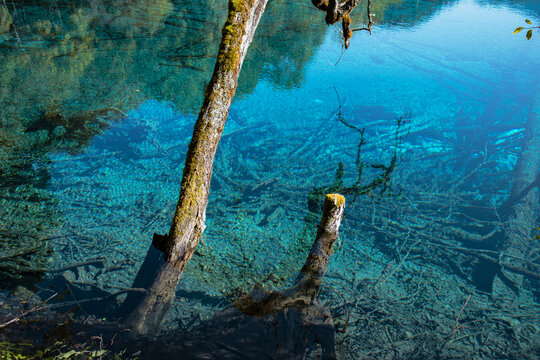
(337,199)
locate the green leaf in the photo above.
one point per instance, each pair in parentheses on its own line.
(98,353)
(528,21)
(67,355)
(518,29)
(529,34)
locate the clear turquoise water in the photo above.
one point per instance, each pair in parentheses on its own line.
(103,185)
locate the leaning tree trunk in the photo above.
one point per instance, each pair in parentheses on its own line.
(169,254)
(519,210)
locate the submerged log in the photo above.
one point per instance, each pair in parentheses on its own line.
(169,254)
(519,211)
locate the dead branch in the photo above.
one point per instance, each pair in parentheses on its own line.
(68,304)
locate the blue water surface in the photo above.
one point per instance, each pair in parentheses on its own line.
(465,90)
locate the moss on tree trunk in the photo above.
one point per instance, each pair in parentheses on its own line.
(161,274)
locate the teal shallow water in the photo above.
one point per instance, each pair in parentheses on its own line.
(103,183)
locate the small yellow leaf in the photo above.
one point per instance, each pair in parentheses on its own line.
(518,29)
(528,21)
(529,34)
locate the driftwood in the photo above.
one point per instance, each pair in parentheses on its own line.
(284,324)
(169,254)
(519,210)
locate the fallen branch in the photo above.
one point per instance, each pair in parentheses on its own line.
(76,265)
(491,256)
(68,304)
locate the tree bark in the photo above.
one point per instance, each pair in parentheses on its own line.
(309,279)
(160,273)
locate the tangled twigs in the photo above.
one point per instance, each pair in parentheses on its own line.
(370,20)
(342,328)
(98,261)
(484,162)
(390,271)
(458,326)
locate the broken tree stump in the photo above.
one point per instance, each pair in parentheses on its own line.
(282,324)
